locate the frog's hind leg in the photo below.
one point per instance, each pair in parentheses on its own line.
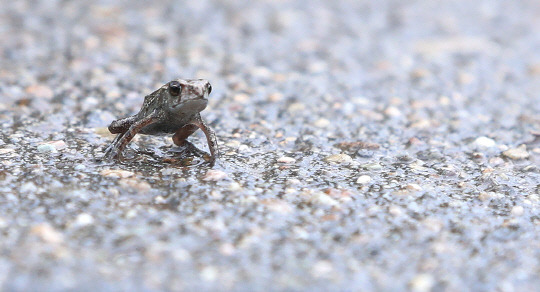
(210,137)
(180,139)
(181,135)
(120,142)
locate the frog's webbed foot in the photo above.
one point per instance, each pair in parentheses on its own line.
(113,152)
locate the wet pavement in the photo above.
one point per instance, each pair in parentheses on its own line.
(365,145)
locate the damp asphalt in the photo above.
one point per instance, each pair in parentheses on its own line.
(364,146)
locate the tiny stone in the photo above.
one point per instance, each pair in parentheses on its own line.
(241,98)
(214,175)
(160,200)
(28,187)
(517,153)
(372,166)
(363,179)
(6,150)
(84,219)
(323,199)
(233,144)
(484,196)
(275,97)
(285,159)
(209,274)
(47,233)
(46,148)
(395,211)
(243,148)
(484,142)
(414,187)
(227,249)
(135,184)
(80,167)
(322,269)
(40,91)
(118,173)
(296,107)
(517,210)
(392,111)
(422,283)
(338,158)
(234,186)
(322,123)
(132,213)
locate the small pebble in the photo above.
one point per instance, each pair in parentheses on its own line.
(323,199)
(209,274)
(285,159)
(392,111)
(517,210)
(40,91)
(363,179)
(47,233)
(214,175)
(372,166)
(6,150)
(395,211)
(296,107)
(322,123)
(80,167)
(243,148)
(241,98)
(484,142)
(118,173)
(422,283)
(84,219)
(46,148)
(28,187)
(277,205)
(414,187)
(338,158)
(135,184)
(322,269)
(517,153)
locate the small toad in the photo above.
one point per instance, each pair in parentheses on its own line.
(173,109)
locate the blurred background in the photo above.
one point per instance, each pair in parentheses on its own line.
(366,145)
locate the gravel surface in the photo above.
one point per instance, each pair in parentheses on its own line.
(365,145)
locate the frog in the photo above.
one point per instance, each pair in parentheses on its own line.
(175,108)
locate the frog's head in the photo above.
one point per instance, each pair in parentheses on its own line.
(187,96)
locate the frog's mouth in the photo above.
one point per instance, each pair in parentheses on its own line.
(192,105)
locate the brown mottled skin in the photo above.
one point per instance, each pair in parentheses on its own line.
(173,109)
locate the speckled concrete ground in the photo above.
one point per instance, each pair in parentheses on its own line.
(365,145)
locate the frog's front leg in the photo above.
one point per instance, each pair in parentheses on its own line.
(120,142)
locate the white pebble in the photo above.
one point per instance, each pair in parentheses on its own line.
(285,159)
(214,175)
(392,111)
(517,210)
(338,158)
(484,142)
(363,179)
(46,148)
(84,219)
(243,148)
(118,173)
(322,123)
(80,167)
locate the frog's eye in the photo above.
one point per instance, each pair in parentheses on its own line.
(209,88)
(175,88)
